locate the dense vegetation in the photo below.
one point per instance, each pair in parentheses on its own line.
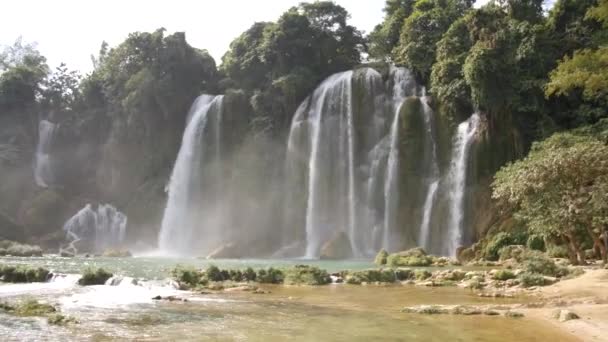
(534,76)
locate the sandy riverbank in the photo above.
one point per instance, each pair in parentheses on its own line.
(587,296)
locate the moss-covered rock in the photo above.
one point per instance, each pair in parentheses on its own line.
(59,319)
(371,276)
(306,275)
(381,257)
(503,275)
(18,249)
(337,248)
(117,253)
(22,274)
(396,260)
(94,277)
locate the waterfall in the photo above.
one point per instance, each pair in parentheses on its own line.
(187,224)
(346,162)
(43,171)
(391,190)
(457,182)
(433,182)
(102,227)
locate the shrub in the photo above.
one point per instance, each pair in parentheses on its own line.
(556,251)
(269,276)
(235,275)
(249,274)
(371,276)
(503,275)
(496,243)
(306,275)
(189,277)
(94,277)
(21,274)
(528,279)
(536,242)
(396,260)
(536,262)
(213,273)
(381,257)
(404,274)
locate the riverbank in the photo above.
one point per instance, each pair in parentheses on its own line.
(586,296)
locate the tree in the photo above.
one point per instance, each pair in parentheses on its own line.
(559,190)
(385,36)
(423,29)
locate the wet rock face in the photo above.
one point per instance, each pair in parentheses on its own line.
(337,248)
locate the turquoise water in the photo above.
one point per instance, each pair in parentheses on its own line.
(160,267)
(336,312)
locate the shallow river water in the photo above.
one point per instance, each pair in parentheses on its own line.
(337,312)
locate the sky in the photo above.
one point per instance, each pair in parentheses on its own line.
(71,31)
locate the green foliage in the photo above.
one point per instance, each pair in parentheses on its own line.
(503,275)
(187,276)
(536,242)
(385,36)
(395,260)
(536,262)
(269,276)
(371,276)
(422,274)
(423,29)
(500,240)
(531,279)
(23,274)
(306,275)
(559,188)
(213,273)
(92,276)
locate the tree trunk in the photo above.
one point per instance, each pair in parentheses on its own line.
(597,242)
(571,250)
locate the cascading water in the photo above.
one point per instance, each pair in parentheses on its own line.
(457,181)
(43,171)
(102,227)
(342,184)
(189,226)
(433,182)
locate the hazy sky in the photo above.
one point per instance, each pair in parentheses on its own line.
(71,30)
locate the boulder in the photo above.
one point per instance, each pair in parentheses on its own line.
(228,250)
(565,315)
(337,248)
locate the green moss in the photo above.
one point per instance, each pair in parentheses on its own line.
(422,274)
(22,274)
(94,277)
(404,274)
(371,276)
(396,260)
(32,307)
(503,275)
(306,275)
(59,319)
(381,257)
(17,249)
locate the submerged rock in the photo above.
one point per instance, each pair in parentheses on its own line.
(337,248)
(565,315)
(228,250)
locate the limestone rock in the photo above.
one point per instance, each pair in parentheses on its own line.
(337,248)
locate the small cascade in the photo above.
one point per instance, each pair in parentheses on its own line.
(98,228)
(434,177)
(457,182)
(191,221)
(43,168)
